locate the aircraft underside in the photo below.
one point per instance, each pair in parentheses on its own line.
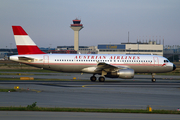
(111,74)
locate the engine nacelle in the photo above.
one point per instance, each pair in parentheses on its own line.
(123,73)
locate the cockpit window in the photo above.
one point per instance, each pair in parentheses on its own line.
(166,61)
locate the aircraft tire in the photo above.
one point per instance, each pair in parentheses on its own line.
(153,80)
(93,78)
(101,79)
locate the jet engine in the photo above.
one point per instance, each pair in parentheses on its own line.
(122,73)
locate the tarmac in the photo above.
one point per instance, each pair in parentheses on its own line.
(35,115)
(136,93)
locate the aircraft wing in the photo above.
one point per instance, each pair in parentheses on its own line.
(108,67)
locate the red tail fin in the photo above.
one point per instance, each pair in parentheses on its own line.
(24,43)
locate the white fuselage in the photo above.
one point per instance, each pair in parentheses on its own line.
(88,62)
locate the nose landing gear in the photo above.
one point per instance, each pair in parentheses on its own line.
(153,79)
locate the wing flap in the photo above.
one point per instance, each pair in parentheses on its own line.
(101,66)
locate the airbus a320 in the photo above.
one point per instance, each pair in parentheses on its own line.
(112,66)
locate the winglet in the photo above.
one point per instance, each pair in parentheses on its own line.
(24,43)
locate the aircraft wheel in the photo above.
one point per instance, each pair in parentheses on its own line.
(153,80)
(101,79)
(93,78)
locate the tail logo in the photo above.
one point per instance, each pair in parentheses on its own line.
(24,44)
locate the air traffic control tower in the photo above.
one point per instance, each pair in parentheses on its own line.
(76,26)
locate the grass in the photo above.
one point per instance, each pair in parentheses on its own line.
(87,110)
(38,79)
(16,74)
(27,70)
(7,90)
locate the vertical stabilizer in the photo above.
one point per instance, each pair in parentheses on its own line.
(24,43)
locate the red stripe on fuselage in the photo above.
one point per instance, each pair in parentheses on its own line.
(18,30)
(28,49)
(114,64)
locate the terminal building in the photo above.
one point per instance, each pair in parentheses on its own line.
(81,49)
(131,48)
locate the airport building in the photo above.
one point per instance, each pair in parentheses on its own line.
(172,52)
(131,48)
(82,49)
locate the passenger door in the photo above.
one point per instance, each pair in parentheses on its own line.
(156,61)
(46,61)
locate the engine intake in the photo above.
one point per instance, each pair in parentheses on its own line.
(123,73)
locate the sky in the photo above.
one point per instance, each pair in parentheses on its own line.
(47,22)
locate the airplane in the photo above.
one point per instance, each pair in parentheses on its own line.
(106,65)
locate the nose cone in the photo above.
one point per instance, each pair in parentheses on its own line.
(174,66)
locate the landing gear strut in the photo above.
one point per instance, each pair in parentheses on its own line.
(153,79)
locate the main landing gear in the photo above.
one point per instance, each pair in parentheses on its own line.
(101,79)
(93,78)
(153,79)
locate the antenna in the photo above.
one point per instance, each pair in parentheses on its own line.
(128,36)
(163,41)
